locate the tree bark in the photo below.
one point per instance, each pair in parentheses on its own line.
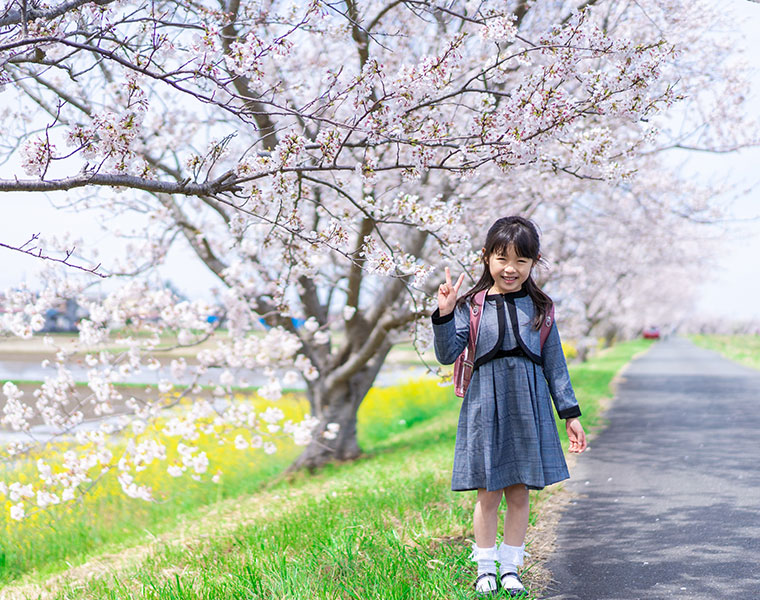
(338,405)
(610,335)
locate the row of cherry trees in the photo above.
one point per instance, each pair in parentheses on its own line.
(324,161)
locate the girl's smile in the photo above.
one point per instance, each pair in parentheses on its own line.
(509,271)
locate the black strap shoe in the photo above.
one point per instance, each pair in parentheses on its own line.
(485,585)
(513,591)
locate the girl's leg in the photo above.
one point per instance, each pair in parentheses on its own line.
(511,551)
(518,511)
(485,519)
(484,552)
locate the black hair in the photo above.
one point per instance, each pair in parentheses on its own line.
(522,235)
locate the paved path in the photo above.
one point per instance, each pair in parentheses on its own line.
(669,504)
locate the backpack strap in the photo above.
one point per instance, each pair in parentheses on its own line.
(546,326)
(463,366)
(476,312)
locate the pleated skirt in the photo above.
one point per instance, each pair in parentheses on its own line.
(506,432)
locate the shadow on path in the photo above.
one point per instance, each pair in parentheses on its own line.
(668,503)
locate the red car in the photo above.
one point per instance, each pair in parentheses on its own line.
(651,333)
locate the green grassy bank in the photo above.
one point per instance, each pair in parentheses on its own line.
(386,526)
(741,348)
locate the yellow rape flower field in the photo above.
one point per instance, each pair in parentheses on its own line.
(105,519)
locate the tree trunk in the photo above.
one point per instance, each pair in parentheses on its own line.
(610,335)
(322,450)
(338,405)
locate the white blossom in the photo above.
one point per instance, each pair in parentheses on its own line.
(174,470)
(17,512)
(331,431)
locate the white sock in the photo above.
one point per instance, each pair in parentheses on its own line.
(486,559)
(510,558)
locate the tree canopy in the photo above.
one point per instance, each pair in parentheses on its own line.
(325,160)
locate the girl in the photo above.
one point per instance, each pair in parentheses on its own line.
(507,440)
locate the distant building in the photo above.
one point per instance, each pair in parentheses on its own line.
(64,318)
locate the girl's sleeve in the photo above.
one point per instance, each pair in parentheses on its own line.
(450,333)
(557,376)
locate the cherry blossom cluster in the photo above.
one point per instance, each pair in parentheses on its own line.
(500,28)
(61,405)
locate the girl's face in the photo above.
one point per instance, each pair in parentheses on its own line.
(509,271)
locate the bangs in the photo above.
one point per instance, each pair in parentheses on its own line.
(523,240)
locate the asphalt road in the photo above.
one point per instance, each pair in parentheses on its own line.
(668,502)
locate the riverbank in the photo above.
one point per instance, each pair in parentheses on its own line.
(385,526)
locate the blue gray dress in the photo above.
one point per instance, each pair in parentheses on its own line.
(506,433)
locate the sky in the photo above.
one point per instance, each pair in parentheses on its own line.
(729,289)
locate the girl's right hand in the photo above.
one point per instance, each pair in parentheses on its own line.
(447,294)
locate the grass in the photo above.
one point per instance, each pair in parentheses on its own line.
(49,541)
(386,526)
(744,349)
(367,532)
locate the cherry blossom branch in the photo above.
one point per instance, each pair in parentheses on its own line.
(18,16)
(37,253)
(369,348)
(227,182)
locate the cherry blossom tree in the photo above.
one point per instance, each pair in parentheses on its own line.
(642,270)
(323,160)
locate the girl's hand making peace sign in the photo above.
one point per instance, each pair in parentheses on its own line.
(447,294)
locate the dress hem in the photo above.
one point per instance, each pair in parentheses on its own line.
(527,485)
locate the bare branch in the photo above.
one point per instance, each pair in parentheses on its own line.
(18,16)
(28,248)
(227,182)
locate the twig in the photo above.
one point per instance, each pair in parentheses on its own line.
(37,253)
